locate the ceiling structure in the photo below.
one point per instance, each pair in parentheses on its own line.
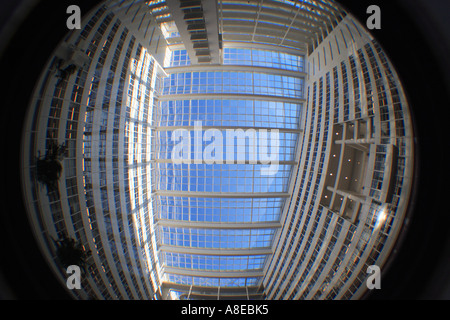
(151,75)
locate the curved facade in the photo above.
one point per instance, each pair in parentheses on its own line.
(238,149)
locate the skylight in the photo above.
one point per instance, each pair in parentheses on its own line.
(218,218)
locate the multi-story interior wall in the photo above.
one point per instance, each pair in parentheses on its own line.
(355,173)
(101,112)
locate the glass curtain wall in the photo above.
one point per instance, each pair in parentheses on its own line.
(207,209)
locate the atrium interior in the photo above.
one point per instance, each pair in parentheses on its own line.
(225,149)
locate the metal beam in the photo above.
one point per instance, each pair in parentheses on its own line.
(281,9)
(215,296)
(267,31)
(212,30)
(231,68)
(300,22)
(218,225)
(214,274)
(235,195)
(178,16)
(290,25)
(216,251)
(265,40)
(192,128)
(252,290)
(231,44)
(224,161)
(260,2)
(206,96)
(273,29)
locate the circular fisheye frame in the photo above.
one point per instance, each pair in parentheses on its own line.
(205,150)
